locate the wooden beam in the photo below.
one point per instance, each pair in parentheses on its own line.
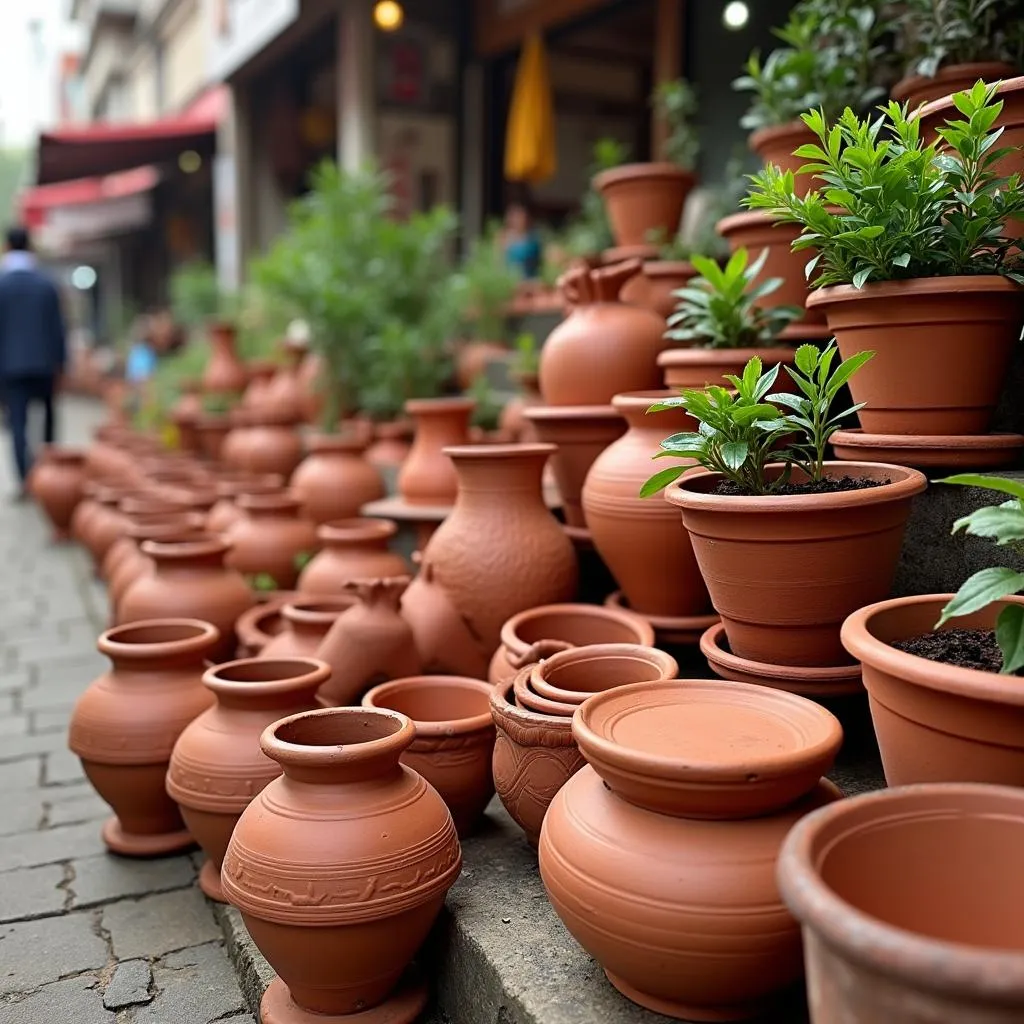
(502,26)
(668,63)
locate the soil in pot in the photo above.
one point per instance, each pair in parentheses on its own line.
(964,648)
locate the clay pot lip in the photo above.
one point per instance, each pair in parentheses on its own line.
(250,622)
(776,133)
(284,675)
(421,406)
(693,357)
(356,529)
(197,637)
(980,285)
(638,172)
(187,526)
(905,483)
(945,103)
(558,413)
(666,666)
(884,948)
(669,268)
(512,642)
(333,755)
(634,401)
(318,610)
(490,452)
(526,697)
(503,706)
(394,430)
(857,637)
(205,545)
(748,220)
(269,501)
(65,456)
(342,443)
(377,697)
(989,70)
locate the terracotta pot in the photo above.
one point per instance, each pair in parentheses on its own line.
(534,756)
(427,476)
(271,447)
(78,526)
(893,932)
(936,722)
(644,201)
(105,525)
(259,372)
(699,367)
(454,743)
(217,766)
(499,552)
(56,483)
(917,89)
(784,571)
(306,621)
(212,431)
(513,421)
(776,145)
(125,725)
(260,624)
(655,286)
(641,540)
(286,394)
(603,346)
(189,577)
(341,867)
(271,538)
(370,643)
(225,374)
(924,379)
(234,450)
(392,444)
(224,513)
(335,481)
(351,549)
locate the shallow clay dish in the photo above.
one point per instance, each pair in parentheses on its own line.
(930,451)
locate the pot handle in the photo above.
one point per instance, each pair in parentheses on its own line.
(538,652)
(609,281)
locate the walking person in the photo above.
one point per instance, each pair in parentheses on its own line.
(33,349)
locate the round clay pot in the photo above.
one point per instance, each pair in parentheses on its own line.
(936,722)
(272,446)
(125,725)
(513,421)
(225,374)
(603,346)
(56,483)
(351,549)
(285,396)
(217,766)
(427,476)
(895,931)
(105,525)
(260,371)
(335,481)
(212,431)
(923,378)
(700,367)
(223,515)
(306,621)
(341,867)
(189,577)
(580,433)
(185,414)
(534,756)
(391,445)
(914,90)
(499,552)
(260,624)
(776,145)
(641,540)
(655,287)
(86,508)
(234,450)
(454,743)
(644,201)
(784,571)
(271,538)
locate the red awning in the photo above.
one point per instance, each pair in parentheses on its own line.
(35,203)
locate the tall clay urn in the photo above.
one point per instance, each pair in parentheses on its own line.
(427,476)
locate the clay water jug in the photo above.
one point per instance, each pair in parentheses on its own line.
(270,539)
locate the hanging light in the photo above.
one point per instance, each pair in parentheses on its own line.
(736,15)
(388,15)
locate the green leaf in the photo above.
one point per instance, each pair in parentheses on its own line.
(903,260)
(990,483)
(981,590)
(1010,637)
(1003,523)
(734,453)
(661,480)
(861,277)
(807,359)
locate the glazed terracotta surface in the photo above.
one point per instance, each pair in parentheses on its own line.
(427,476)
(305,623)
(775,145)
(352,549)
(699,367)
(56,483)
(271,538)
(644,200)
(335,480)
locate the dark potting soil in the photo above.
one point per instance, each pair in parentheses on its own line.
(965,648)
(829,486)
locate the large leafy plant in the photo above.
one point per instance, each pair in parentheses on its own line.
(676,104)
(893,208)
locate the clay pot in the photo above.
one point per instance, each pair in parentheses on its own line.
(579,433)
(271,538)
(391,445)
(271,446)
(915,90)
(56,484)
(454,742)
(654,288)
(644,201)
(286,393)
(224,513)
(700,367)
(259,372)
(260,624)
(335,481)
(785,571)
(189,577)
(341,867)
(217,766)
(212,430)
(603,346)
(105,525)
(641,540)
(368,644)
(513,421)
(237,442)
(894,932)
(924,379)
(351,549)
(225,374)
(499,552)
(185,414)
(427,476)
(936,722)
(305,621)
(125,725)
(776,145)
(78,526)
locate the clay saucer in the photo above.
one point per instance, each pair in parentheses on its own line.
(142,845)
(929,451)
(702,748)
(403,1006)
(530,701)
(685,629)
(798,679)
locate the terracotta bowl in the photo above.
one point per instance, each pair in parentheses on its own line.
(570,677)
(526,698)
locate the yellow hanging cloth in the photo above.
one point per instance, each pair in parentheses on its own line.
(530,149)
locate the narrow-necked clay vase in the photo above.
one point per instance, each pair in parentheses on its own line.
(499,552)
(427,476)
(225,374)
(271,539)
(341,866)
(224,513)
(217,766)
(454,743)
(57,480)
(351,549)
(335,481)
(125,725)
(306,621)
(189,577)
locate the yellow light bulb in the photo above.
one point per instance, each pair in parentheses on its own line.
(388,15)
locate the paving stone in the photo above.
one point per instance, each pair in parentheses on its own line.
(20,811)
(32,892)
(242,1018)
(19,774)
(159,924)
(13,725)
(62,767)
(18,748)
(106,877)
(75,1001)
(49,846)
(33,953)
(15,679)
(48,721)
(196,985)
(129,986)
(83,806)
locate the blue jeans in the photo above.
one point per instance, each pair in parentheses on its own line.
(19,394)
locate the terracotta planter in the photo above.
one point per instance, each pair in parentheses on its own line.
(499,552)
(539,632)
(454,742)
(603,346)
(306,621)
(341,867)
(785,571)
(217,766)
(224,514)
(271,538)
(260,624)
(391,445)
(580,433)
(655,286)
(699,367)
(917,89)
(936,722)
(125,725)
(225,374)
(427,476)
(893,932)
(56,484)
(644,201)
(351,549)
(335,481)
(259,372)
(775,145)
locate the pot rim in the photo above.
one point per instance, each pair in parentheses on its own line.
(317,610)
(697,356)
(198,637)
(530,700)
(268,501)
(229,487)
(183,527)
(884,948)
(188,547)
(250,621)
(638,171)
(661,661)
(341,443)
(636,400)
(777,132)
(754,218)
(291,674)
(337,755)
(355,529)
(572,413)
(668,268)
(439,728)
(944,103)
(502,708)
(490,452)
(909,83)
(425,406)
(512,642)
(965,284)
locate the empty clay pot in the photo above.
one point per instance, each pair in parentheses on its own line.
(574,675)
(351,549)
(644,200)
(225,374)
(56,484)
(427,476)
(306,621)
(224,514)
(335,481)
(260,624)
(273,445)
(271,538)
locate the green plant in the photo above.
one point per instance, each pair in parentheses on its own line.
(487,413)
(487,283)
(527,355)
(894,208)
(262,582)
(1003,523)
(719,308)
(589,232)
(196,295)
(302,559)
(676,104)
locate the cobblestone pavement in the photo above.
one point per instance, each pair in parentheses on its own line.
(85,937)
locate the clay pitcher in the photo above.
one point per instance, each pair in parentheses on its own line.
(352,549)
(427,476)
(335,481)
(225,373)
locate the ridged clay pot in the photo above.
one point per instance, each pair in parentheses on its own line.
(644,200)
(126,723)
(699,367)
(56,483)
(335,481)
(225,374)
(915,90)
(307,620)
(351,549)
(341,866)
(271,538)
(653,288)
(427,476)
(776,145)
(217,766)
